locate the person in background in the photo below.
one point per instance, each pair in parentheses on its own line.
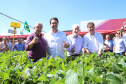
(93,41)
(56,40)
(105,47)
(3,46)
(22,41)
(35,44)
(109,42)
(75,41)
(9,43)
(18,46)
(119,44)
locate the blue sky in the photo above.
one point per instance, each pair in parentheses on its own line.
(68,12)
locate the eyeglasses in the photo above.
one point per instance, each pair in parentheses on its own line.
(117,33)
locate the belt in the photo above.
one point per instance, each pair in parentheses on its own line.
(75,55)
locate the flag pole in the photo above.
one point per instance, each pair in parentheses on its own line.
(14,34)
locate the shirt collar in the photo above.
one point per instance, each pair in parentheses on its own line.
(53,32)
(74,36)
(37,35)
(93,35)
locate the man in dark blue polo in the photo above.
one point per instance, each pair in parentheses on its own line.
(18,46)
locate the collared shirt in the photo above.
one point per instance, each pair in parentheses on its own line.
(23,43)
(109,43)
(119,45)
(74,42)
(93,43)
(18,47)
(39,49)
(10,45)
(55,43)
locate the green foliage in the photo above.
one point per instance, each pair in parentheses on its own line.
(86,69)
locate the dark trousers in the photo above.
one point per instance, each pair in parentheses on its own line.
(74,56)
(34,59)
(120,54)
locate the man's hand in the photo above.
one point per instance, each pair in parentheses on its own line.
(66,45)
(99,54)
(86,51)
(73,50)
(35,40)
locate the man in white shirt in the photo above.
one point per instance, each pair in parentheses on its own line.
(9,43)
(93,41)
(119,44)
(75,42)
(56,40)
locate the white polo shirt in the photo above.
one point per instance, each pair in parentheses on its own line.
(74,42)
(109,43)
(55,43)
(93,43)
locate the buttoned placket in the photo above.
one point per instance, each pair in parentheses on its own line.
(76,39)
(56,43)
(92,38)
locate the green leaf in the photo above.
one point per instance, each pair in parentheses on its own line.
(28,66)
(62,65)
(71,78)
(114,79)
(4,75)
(57,82)
(42,78)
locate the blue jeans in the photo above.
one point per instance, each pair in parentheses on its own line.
(120,54)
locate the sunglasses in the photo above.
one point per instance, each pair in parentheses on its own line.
(117,33)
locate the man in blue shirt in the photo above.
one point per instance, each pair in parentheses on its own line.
(19,46)
(109,42)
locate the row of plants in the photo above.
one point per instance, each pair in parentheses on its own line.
(15,68)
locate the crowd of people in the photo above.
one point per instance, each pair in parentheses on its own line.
(55,42)
(7,45)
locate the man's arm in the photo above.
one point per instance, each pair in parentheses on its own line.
(66,42)
(101,45)
(34,41)
(70,47)
(30,42)
(114,49)
(121,31)
(84,45)
(99,52)
(4,48)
